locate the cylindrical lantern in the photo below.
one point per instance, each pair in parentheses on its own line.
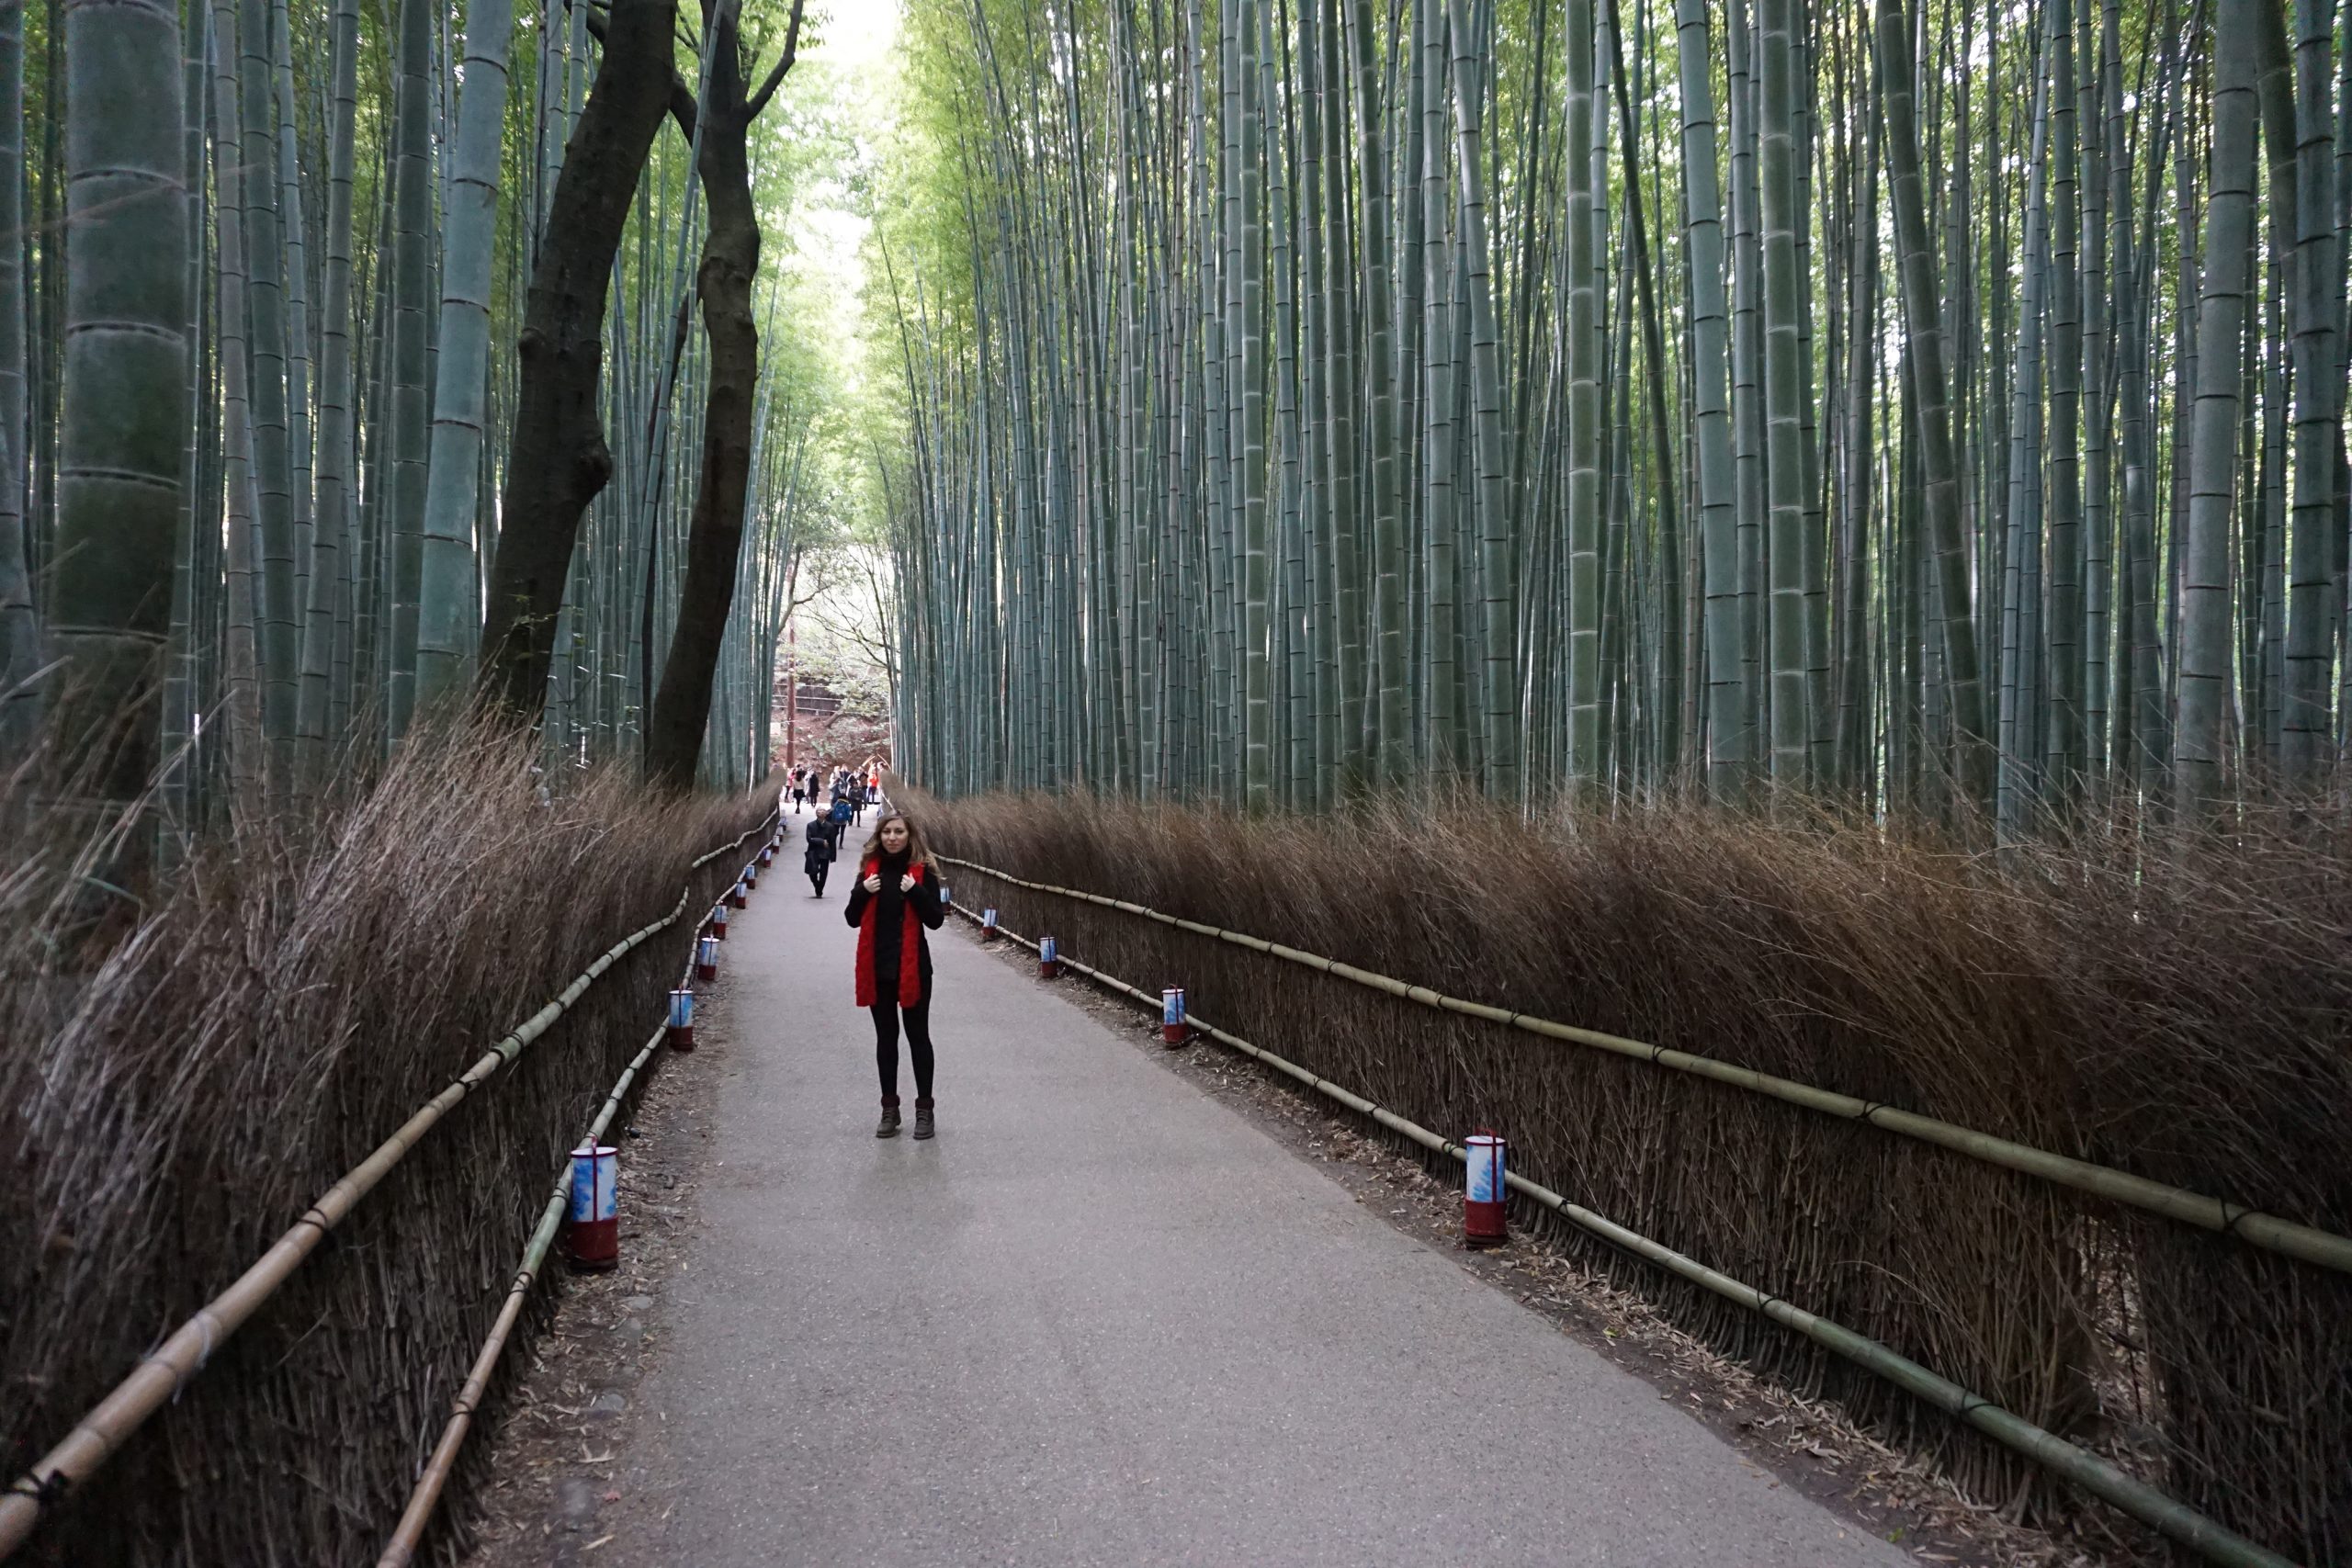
(593,1237)
(947,900)
(752,877)
(718,921)
(682,1019)
(1482,1193)
(1049,960)
(1172,1014)
(987,925)
(735,897)
(706,958)
(767,855)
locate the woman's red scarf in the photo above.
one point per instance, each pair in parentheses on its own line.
(909,945)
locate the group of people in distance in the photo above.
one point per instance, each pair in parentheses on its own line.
(894,901)
(815,787)
(836,799)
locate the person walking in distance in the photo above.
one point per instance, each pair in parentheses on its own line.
(894,901)
(824,846)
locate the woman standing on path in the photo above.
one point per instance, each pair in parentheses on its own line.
(896,897)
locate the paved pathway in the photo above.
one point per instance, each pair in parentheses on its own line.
(1103,1319)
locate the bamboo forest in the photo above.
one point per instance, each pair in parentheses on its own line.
(296,321)
(1585,767)
(1916,407)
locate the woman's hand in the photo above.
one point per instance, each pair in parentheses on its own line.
(873,883)
(906,882)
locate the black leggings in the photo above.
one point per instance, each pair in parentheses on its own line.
(817,876)
(886,1045)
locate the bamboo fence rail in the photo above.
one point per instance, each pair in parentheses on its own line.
(410,1533)
(162,1374)
(2269,1232)
(2174,1518)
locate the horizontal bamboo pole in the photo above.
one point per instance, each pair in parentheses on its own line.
(2168,1516)
(2306,1243)
(166,1369)
(426,1495)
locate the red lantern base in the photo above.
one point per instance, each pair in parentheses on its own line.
(1172,1033)
(705,971)
(593,1248)
(681,1041)
(1483,1225)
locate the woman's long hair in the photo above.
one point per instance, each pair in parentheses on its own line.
(917,851)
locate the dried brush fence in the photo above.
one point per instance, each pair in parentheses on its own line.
(2180,1011)
(291,1000)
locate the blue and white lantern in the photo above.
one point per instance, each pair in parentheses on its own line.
(1049,959)
(682,1019)
(987,925)
(594,1238)
(1483,1188)
(1172,1014)
(706,958)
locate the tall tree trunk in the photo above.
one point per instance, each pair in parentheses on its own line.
(1922,307)
(2205,657)
(1499,679)
(1727,696)
(1257,727)
(558,462)
(2314,319)
(125,396)
(277,628)
(731,256)
(1783,467)
(446,609)
(326,620)
(19,631)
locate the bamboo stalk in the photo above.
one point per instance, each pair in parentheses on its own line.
(410,1533)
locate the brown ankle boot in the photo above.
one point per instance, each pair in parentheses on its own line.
(889,1126)
(922,1118)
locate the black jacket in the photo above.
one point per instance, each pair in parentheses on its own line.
(889,924)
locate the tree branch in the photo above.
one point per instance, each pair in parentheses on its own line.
(775,77)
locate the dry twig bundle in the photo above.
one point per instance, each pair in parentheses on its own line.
(2181,1008)
(295,995)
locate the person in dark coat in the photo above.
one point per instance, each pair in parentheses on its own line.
(894,901)
(824,846)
